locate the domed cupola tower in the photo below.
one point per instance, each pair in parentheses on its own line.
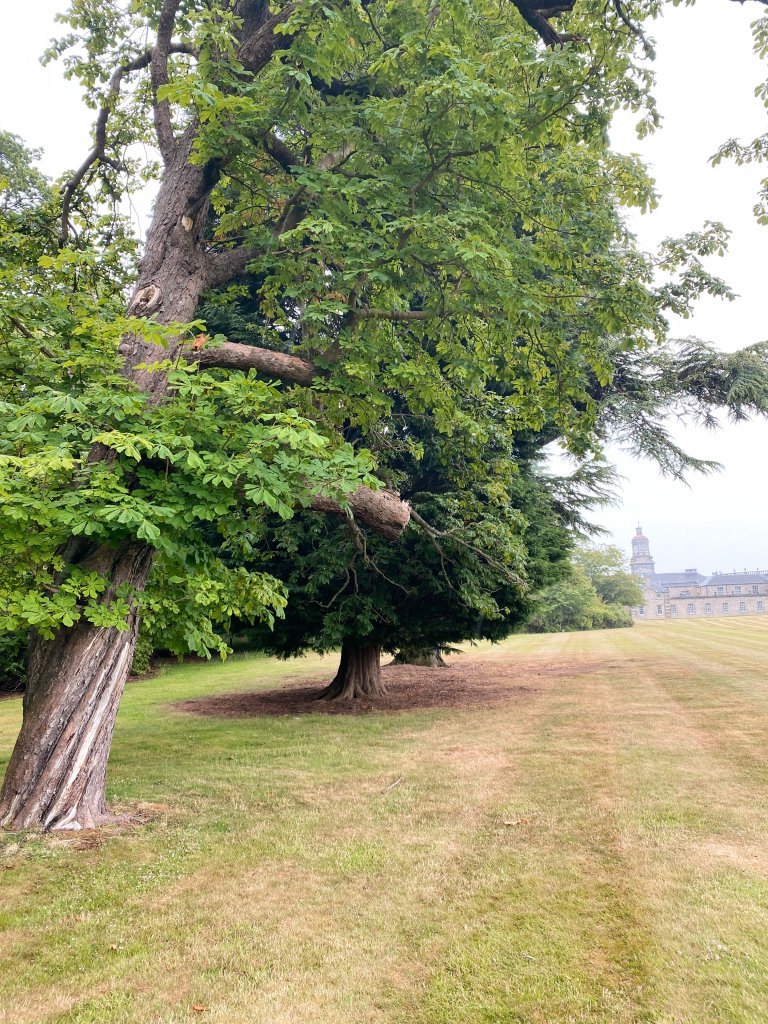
(641,563)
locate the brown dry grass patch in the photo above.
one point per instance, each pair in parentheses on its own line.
(581,840)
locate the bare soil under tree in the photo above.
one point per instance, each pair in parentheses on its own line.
(461,684)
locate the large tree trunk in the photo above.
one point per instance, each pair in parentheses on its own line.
(359,674)
(57,773)
(426,657)
(174,270)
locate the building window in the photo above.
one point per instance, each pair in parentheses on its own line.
(659,609)
(737,590)
(690,609)
(742,606)
(721,590)
(673,609)
(725,606)
(759,606)
(642,610)
(708,608)
(755,588)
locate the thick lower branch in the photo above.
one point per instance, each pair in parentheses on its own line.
(383,511)
(226,266)
(232,356)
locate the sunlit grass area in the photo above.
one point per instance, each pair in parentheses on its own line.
(593,850)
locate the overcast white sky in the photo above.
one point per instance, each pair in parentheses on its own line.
(706,80)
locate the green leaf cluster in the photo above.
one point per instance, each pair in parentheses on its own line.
(171,475)
(596,595)
(755,150)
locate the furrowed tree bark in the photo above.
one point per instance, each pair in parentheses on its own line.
(56,777)
(359,674)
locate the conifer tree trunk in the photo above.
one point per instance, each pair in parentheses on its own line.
(426,657)
(359,674)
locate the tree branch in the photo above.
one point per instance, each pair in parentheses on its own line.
(384,511)
(280,153)
(232,356)
(23,331)
(446,160)
(229,264)
(636,30)
(258,46)
(538,15)
(259,38)
(494,563)
(398,315)
(294,210)
(98,153)
(166,140)
(225,266)
(336,158)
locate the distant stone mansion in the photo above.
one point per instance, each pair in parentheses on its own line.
(669,595)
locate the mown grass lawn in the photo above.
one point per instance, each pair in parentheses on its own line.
(594,850)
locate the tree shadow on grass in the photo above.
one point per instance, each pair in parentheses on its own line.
(467,685)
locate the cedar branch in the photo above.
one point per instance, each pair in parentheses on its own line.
(494,563)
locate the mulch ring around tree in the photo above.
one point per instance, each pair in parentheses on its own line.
(463,684)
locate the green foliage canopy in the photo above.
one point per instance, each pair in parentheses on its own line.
(216,447)
(605,566)
(595,596)
(427,203)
